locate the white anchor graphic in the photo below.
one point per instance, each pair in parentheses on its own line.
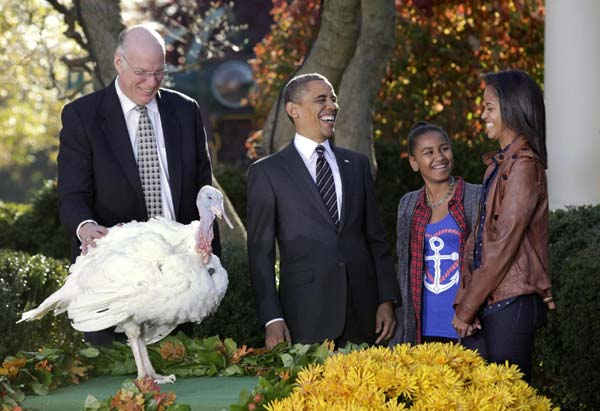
(436,245)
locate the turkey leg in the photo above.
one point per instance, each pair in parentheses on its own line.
(135,335)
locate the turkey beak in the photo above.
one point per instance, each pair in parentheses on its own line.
(219,211)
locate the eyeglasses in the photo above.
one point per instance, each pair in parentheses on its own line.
(158,75)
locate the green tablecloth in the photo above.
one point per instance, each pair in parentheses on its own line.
(202,394)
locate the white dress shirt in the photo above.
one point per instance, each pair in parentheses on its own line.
(132,117)
(307,149)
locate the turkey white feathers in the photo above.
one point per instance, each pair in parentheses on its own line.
(145,278)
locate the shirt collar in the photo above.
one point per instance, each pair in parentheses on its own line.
(456,196)
(127,105)
(306,146)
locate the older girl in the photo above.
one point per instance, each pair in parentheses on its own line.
(505,285)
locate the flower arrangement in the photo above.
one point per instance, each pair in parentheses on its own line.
(298,377)
(138,395)
(39,372)
(431,376)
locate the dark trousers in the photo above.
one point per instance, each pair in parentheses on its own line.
(507,334)
(431,338)
(105,338)
(352,332)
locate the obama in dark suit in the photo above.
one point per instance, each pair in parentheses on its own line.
(317,201)
(100,181)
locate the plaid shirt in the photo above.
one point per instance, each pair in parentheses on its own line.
(421,217)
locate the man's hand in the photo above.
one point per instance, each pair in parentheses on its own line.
(385,322)
(275,333)
(89,233)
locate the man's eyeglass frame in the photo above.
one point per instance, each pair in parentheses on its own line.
(158,75)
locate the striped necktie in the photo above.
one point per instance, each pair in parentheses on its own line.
(326,184)
(148,165)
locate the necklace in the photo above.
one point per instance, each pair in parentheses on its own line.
(443,200)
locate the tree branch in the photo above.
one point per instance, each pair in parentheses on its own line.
(70,19)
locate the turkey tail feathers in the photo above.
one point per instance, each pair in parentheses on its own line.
(49,304)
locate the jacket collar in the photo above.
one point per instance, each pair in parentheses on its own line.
(115,130)
(518,148)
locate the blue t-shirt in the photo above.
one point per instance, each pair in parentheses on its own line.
(441,277)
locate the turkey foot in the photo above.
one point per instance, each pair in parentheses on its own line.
(163,379)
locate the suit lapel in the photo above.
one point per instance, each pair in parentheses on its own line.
(345,168)
(295,167)
(172,135)
(115,131)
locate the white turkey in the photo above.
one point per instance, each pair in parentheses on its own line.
(145,278)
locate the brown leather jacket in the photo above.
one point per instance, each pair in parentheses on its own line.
(515,234)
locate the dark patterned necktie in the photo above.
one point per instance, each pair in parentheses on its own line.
(326,184)
(148,165)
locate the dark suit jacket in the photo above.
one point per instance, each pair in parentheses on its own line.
(317,260)
(98,177)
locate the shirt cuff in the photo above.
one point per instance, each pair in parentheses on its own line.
(274,320)
(79,226)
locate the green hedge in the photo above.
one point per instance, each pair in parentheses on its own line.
(567,352)
(25,281)
(236,316)
(233,180)
(35,228)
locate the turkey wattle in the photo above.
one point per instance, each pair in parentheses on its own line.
(145,278)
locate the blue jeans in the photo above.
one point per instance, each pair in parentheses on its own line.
(507,334)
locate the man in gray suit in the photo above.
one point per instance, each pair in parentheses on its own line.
(317,201)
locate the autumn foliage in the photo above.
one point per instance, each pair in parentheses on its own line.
(442,48)
(283,50)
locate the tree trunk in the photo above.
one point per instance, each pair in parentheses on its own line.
(362,78)
(329,55)
(101,23)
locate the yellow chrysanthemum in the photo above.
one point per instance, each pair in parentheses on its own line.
(425,377)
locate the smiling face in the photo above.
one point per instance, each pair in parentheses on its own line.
(140,56)
(315,112)
(432,157)
(492,116)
